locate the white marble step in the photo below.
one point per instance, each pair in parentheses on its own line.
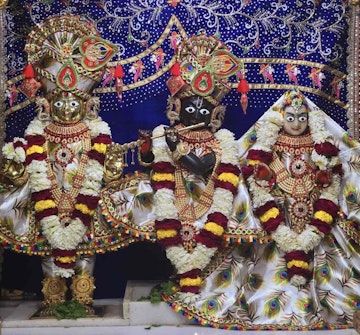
(126,316)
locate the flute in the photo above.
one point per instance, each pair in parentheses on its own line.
(194,126)
(123,148)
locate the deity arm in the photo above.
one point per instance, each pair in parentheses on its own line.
(201,166)
(15,172)
(114,163)
(145,154)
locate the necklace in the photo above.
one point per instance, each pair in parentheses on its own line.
(294,144)
(63,133)
(65,200)
(200,141)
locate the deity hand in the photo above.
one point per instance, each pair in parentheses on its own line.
(145,137)
(114,163)
(15,172)
(262,172)
(323,177)
(145,154)
(172,138)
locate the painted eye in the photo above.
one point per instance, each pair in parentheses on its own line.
(204,111)
(303,118)
(190,109)
(290,118)
(58,104)
(74,104)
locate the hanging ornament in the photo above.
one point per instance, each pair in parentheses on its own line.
(119,75)
(175,82)
(30,85)
(243,88)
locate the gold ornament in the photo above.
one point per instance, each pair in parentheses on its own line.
(114,162)
(82,288)
(54,290)
(3,4)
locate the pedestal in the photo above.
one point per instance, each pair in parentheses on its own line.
(127,316)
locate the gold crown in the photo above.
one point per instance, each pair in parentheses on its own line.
(205,65)
(68,54)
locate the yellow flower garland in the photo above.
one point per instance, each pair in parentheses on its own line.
(229,177)
(323,216)
(34,149)
(84,209)
(272,213)
(165,233)
(299,264)
(100,147)
(157,176)
(44,204)
(66,259)
(190,281)
(214,228)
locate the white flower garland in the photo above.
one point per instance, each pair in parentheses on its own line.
(267,134)
(59,236)
(164,200)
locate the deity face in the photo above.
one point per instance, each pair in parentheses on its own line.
(295,120)
(195,110)
(67,108)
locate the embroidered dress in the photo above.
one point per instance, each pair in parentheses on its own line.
(262,286)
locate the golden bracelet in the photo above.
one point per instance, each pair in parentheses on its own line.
(182,149)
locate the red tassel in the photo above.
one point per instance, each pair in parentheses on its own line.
(244,102)
(243,86)
(29,71)
(119,72)
(175,70)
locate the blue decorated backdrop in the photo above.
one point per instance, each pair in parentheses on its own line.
(282,43)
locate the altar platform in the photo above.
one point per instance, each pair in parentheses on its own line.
(127,316)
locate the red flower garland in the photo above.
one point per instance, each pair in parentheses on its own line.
(271,223)
(168,230)
(65,258)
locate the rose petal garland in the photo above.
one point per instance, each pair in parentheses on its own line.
(168,225)
(64,239)
(325,156)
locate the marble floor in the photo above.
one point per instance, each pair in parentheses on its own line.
(127,316)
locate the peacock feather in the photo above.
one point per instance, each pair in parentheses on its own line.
(242,303)
(245,250)
(327,259)
(211,306)
(327,299)
(270,252)
(281,276)
(351,195)
(241,211)
(274,303)
(193,190)
(305,305)
(224,278)
(350,278)
(349,141)
(249,139)
(143,200)
(353,301)
(272,307)
(255,281)
(323,273)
